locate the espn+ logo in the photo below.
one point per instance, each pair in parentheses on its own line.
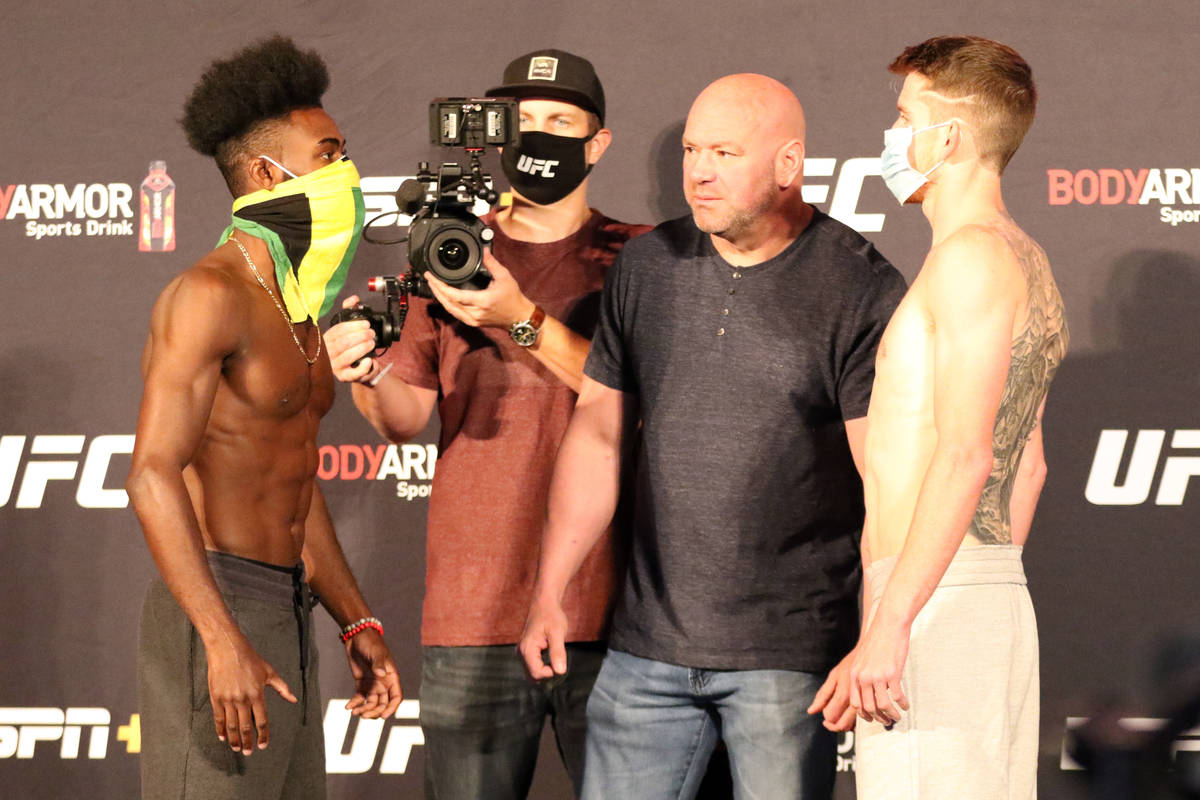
(21,729)
(1107,187)
(72,733)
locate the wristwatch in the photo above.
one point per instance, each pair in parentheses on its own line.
(526,333)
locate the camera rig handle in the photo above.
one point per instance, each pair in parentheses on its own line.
(479,178)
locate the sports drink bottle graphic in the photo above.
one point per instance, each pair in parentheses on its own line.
(157,231)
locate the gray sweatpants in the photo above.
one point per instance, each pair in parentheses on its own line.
(972,683)
(181,758)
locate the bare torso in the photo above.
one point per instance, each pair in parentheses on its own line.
(250,479)
(901,434)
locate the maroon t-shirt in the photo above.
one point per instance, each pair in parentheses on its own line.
(503,416)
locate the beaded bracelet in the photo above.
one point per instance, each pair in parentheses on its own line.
(355,628)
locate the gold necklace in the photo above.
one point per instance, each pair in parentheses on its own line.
(279,305)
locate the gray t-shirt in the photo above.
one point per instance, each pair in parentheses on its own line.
(744,551)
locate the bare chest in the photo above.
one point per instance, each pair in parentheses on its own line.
(904,362)
(270,377)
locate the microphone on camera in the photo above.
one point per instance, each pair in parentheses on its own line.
(410,197)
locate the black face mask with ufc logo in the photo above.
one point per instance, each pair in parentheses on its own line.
(545,168)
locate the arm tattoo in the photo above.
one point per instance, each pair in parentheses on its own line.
(1036,353)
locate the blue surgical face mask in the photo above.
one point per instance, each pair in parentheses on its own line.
(902,180)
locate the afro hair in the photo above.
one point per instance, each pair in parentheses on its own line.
(259,84)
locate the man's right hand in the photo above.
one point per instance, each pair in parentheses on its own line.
(350,342)
(545,629)
(236,677)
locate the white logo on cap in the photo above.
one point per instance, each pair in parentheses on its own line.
(543,68)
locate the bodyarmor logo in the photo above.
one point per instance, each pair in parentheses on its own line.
(1167,187)
(91,491)
(1103,488)
(364,744)
(406,464)
(93,209)
(534,166)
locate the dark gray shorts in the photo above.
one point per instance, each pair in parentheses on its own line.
(182,758)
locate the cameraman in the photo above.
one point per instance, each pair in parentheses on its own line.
(503,365)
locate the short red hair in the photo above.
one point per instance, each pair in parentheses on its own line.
(994,75)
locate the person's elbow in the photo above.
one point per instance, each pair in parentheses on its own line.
(145,480)
(1032,472)
(398,434)
(972,460)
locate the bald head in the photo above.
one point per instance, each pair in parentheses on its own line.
(762,105)
(743,157)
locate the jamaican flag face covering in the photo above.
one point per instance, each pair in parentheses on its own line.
(311,225)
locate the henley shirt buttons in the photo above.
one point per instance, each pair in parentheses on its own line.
(737,274)
(720,331)
(724,312)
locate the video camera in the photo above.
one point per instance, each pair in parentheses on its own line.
(445,237)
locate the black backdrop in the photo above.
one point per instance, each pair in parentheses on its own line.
(1108,181)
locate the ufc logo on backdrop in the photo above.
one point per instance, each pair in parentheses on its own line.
(40,471)
(844,205)
(1105,486)
(535,166)
(364,742)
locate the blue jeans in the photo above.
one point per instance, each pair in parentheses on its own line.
(483,717)
(652,727)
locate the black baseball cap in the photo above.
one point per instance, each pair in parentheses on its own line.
(555,74)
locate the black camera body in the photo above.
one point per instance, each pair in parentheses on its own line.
(445,237)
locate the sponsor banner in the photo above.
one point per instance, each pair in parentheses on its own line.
(353,745)
(61,210)
(58,732)
(410,466)
(30,466)
(1170,190)
(843,201)
(841,191)
(74,733)
(1145,460)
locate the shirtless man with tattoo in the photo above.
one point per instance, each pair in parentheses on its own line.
(944,677)
(223,473)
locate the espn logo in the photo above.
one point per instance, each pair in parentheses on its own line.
(22,728)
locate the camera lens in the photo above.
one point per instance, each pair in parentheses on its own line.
(453,254)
